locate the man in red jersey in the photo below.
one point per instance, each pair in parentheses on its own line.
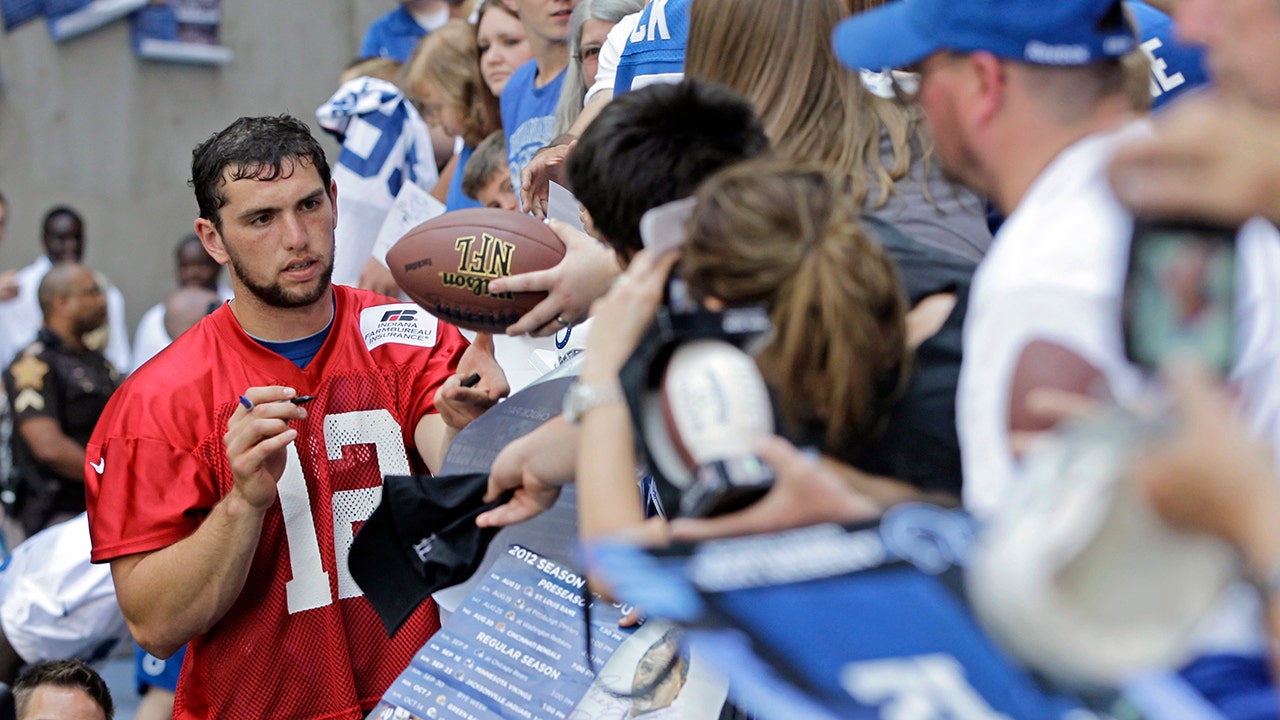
(225,509)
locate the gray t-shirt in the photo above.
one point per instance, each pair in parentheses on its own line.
(950,218)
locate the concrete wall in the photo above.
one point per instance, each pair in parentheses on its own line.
(85,123)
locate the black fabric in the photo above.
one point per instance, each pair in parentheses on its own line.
(922,269)
(51,379)
(421,538)
(919,444)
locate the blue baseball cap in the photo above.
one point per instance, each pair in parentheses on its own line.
(1040,32)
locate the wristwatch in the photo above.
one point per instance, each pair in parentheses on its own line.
(581,398)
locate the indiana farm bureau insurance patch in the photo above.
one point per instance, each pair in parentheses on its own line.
(403,323)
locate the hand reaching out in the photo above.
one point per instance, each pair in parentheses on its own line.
(622,315)
(535,179)
(572,285)
(1210,475)
(1211,157)
(457,404)
(804,493)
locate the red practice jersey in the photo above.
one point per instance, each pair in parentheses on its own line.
(301,641)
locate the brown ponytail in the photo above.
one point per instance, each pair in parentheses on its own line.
(788,236)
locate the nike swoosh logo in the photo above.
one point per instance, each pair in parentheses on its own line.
(99,466)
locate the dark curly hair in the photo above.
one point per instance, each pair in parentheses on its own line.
(654,145)
(261,148)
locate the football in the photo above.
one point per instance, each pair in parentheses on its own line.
(714,402)
(445,265)
(713,405)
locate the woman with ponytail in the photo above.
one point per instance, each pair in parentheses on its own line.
(866,346)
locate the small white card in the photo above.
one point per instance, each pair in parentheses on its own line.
(664,227)
(563,206)
(412,207)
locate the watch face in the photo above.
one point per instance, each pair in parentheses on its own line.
(582,398)
(578,401)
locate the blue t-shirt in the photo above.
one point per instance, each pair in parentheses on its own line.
(655,50)
(393,35)
(528,116)
(456,199)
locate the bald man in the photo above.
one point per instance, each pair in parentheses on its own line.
(64,241)
(56,388)
(186,306)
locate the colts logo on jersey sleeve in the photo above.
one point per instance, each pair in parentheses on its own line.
(402,323)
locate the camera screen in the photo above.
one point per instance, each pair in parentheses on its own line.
(1179,295)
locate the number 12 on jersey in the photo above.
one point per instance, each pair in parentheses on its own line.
(309,587)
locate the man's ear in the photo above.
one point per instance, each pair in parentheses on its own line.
(211,239)
(990,82)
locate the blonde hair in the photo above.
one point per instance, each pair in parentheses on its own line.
(787,235)
(778,53)
(448,61)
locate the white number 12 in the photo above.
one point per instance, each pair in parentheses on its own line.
(309,587)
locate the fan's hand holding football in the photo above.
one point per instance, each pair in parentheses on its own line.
(804,493)
(571,286)
(257,433)
(457,404)
(450,264)
(622,315)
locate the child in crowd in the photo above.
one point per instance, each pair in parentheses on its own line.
(486,178)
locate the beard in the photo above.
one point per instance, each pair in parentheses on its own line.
(274,294)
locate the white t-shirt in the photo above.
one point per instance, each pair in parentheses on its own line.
(1055,272)
(151,337)
(54,603)
(20,317)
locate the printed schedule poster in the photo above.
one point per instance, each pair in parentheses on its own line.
(515,648)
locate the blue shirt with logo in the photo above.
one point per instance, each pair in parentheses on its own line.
(528,116)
